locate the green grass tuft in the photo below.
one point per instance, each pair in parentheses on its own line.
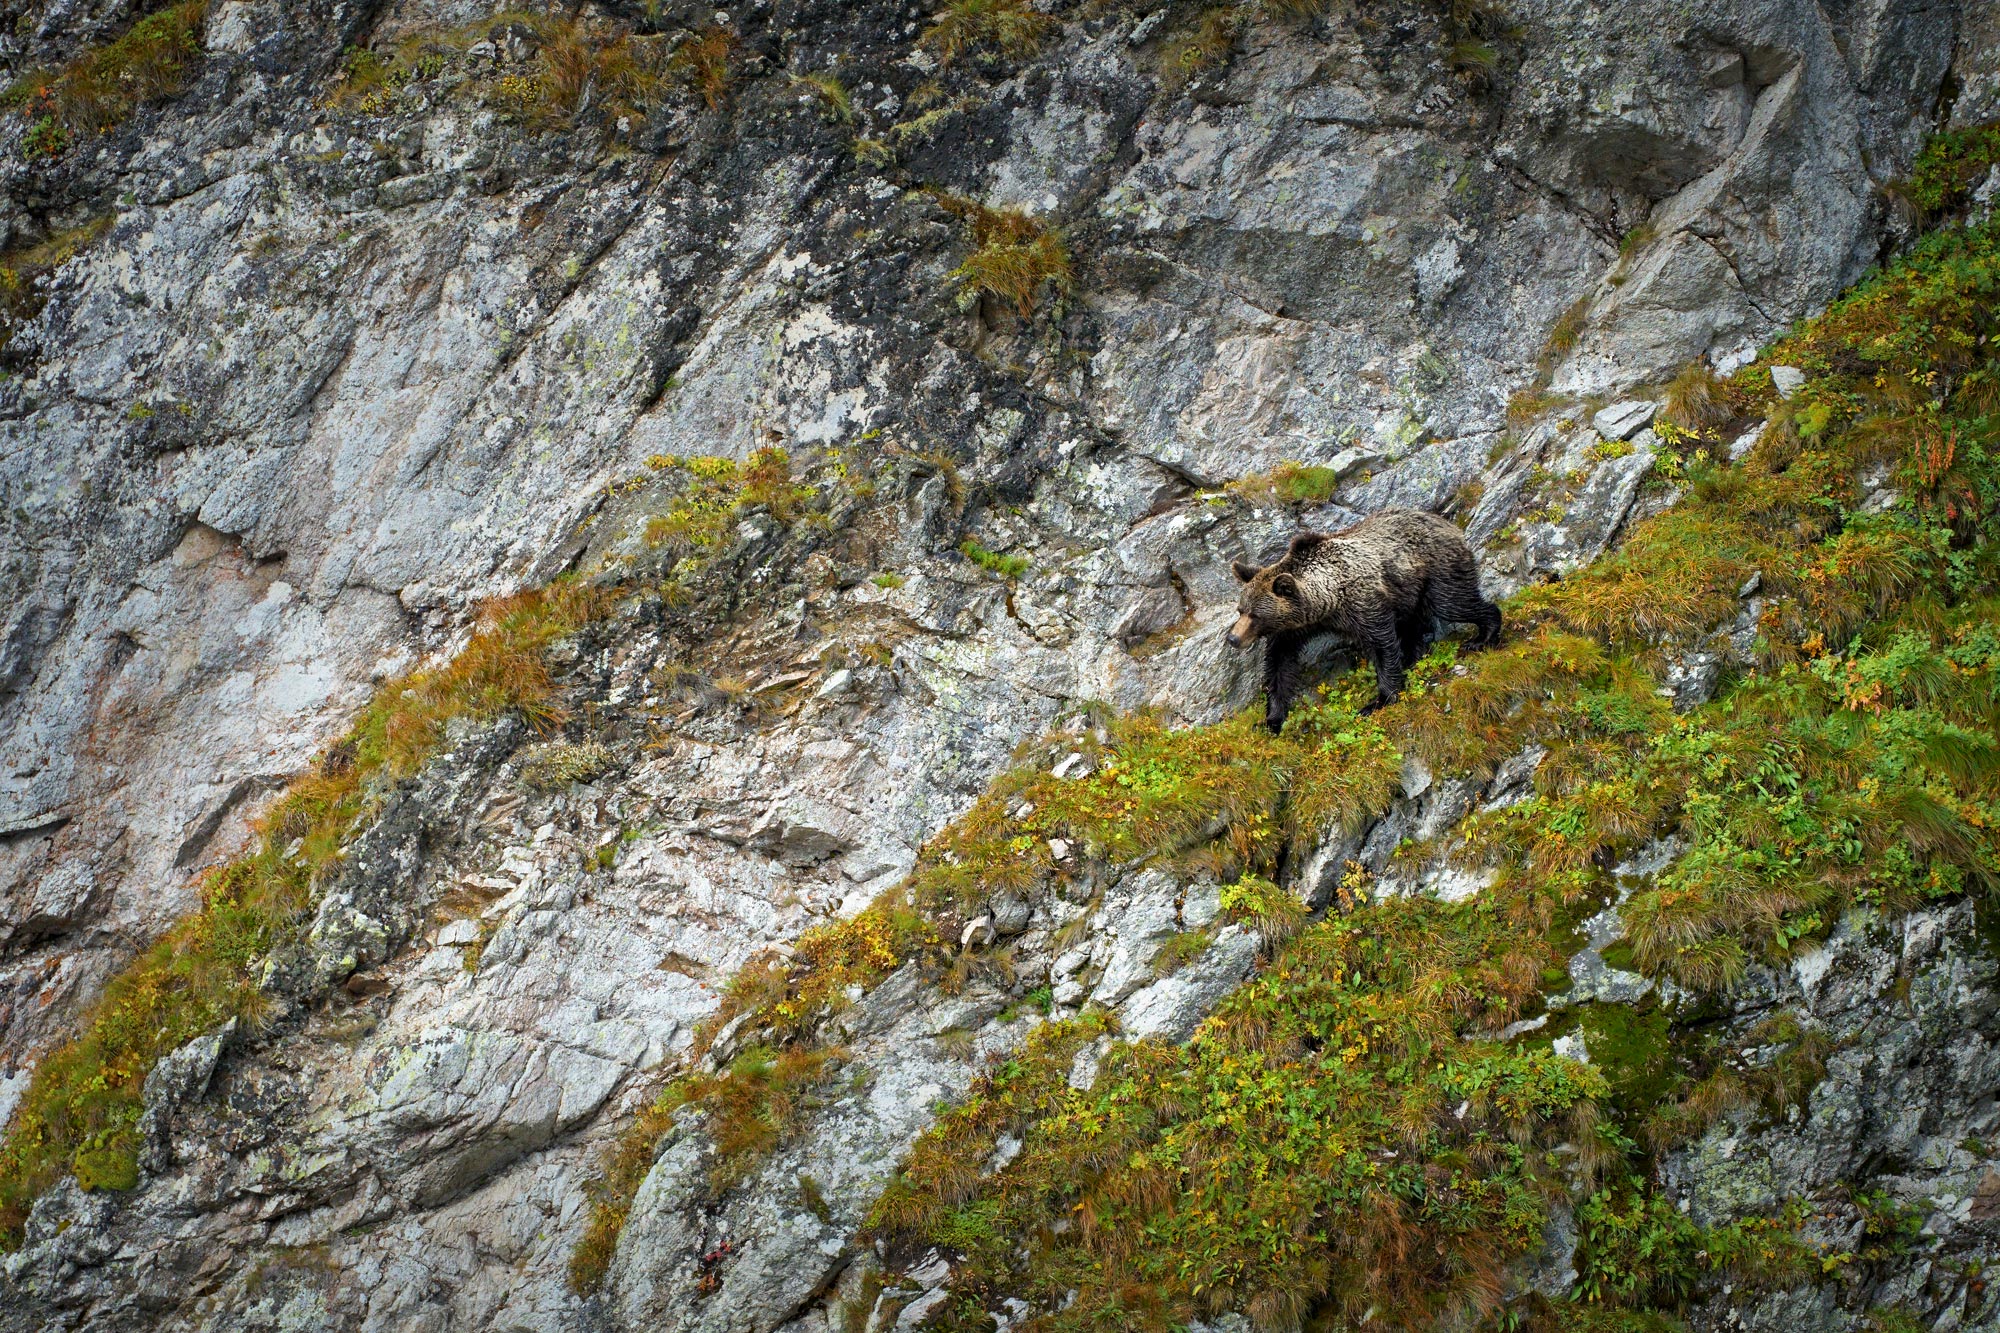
(1006,566)
(1289,483)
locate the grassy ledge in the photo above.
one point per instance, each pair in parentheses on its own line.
(1330,1146)
(1211,798)
(1339,1142)
(95,91)
(81,1111)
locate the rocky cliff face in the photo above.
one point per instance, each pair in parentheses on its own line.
(349,344)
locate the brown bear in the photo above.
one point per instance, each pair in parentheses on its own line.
(1381,583)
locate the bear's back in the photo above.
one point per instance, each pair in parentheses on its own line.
(1408,540)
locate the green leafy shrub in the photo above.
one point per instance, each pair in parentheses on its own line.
(44,137)
(1950,165)
(1638,1251)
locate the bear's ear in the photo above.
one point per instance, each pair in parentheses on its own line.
(1285,586)
(1245,573)
(1305,542)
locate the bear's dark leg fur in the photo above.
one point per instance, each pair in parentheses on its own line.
(1281,677)
(1377,636)
(1458,600)
(1410,635)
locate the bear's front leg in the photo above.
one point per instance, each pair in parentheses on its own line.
(1281,679)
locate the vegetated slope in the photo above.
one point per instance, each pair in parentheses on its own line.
(1331,1145)
(1364,1132)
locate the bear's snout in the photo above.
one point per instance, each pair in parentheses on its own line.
(1241,633)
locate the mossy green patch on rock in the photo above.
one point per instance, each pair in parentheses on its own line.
(1632,1045)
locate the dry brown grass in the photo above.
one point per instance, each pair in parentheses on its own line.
(583,72)
(502,667)
(1697,403)
(1207,44)
(95,91)
(1008,27)
(706,62)
(1016,259)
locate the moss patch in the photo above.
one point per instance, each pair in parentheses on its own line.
(1633,1047)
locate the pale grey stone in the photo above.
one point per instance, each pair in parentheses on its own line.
(1624,419)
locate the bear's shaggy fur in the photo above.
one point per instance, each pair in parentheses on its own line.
(1381,583)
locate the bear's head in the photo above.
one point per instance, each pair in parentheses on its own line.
(1269,604)
(1272,602)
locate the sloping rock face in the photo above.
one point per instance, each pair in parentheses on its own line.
(336,372)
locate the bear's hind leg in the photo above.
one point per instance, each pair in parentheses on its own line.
(1411,633)
(1458,600)
(1377,637)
